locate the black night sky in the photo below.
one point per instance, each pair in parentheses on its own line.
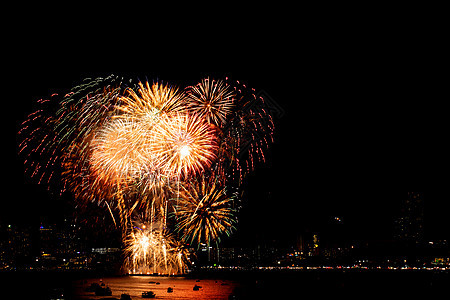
(362,119)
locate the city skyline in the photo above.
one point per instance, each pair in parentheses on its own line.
(353,225)
(327,159)
(69,246)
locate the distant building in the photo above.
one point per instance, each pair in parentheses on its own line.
(15,247)
(226,256)
(409,225)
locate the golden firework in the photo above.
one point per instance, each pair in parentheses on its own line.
(212,100)
(183,144)
(151,251)
(150,150)
(204,212)
(149,102)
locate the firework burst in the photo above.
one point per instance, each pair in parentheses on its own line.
(204,212)
(154,151)
(212,100)
(183,144)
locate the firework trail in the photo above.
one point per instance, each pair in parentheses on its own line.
(153,152)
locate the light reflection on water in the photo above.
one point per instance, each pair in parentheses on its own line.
(135,285)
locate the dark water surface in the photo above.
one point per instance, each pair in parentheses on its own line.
(353,284)
(182,287)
